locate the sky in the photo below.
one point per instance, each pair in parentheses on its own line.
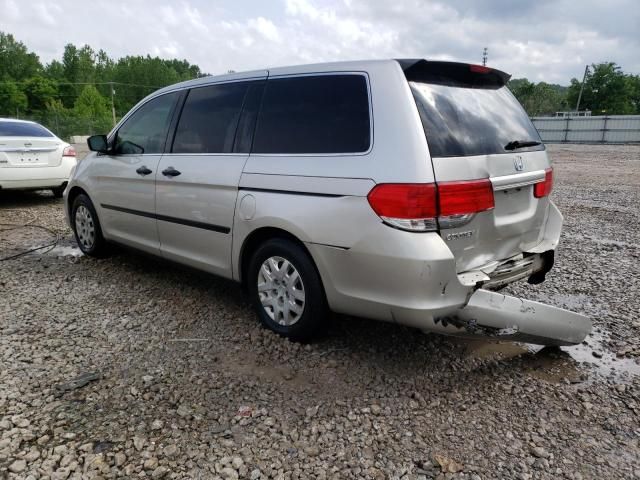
(542,40)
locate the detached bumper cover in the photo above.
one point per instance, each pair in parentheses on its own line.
(491,314)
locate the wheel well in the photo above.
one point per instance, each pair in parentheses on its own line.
(73,193)
(258,237)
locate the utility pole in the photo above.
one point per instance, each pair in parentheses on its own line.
(584,79)
(113,106)
(485,55)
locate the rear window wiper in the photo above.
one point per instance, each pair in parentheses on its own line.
(521,144)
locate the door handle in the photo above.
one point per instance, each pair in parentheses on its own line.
(143,170)
(170,172)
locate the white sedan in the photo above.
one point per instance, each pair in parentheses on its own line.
(33,158)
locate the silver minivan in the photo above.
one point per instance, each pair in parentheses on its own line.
(407,191)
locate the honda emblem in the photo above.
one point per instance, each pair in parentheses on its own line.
(518,163)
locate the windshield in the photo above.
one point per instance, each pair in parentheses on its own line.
(23,129)
(462,121)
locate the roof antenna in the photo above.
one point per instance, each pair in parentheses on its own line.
(485,55)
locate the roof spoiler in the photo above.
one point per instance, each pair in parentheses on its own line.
(453,73)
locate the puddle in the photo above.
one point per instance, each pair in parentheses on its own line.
(574,364)
(608,365)
(64,251)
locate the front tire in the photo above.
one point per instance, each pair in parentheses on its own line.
(86,228)
(286,290)
(57,192)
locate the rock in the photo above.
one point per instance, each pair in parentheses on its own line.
(160,472)
(120,459)
(448,465)
(18,466)
(151,463)
(67,460)
(22,423)
(157,424)
(244,411)
(376,409)
(312,411)
(255,474)
(184,411)
(32,455)
(87,447)
(312,451)
(61,474)
(229,474)
(539,452)
(138,442)
(237,462)
(171,451)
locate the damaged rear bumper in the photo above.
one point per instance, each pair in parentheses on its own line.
(491,314)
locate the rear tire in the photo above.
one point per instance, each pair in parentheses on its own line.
(57,192)
(86,228)
(286,290)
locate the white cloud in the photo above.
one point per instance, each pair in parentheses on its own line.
(543,40)
(266,28)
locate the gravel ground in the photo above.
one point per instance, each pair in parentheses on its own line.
(134,368)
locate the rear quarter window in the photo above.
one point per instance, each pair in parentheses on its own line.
(23,129)
(314,115)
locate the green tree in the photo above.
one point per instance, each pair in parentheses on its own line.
(138,76)
(12,99)
(55,71)
(91,111)
(16,62)
(78,69)
(606,91)
(90,103)
(538,99)
(39,91)
(633,86)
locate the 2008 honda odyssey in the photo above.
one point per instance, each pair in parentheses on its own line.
(400,190)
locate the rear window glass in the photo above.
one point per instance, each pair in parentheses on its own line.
(471,121)
(23,129)
(314,114)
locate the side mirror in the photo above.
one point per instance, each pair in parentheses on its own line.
(98,143)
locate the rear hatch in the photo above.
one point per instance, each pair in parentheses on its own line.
(26,144)
(477,131)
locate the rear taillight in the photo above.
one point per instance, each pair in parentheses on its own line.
(459,198)
(422,206)
(409,206)
(544,188)
(69,151)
